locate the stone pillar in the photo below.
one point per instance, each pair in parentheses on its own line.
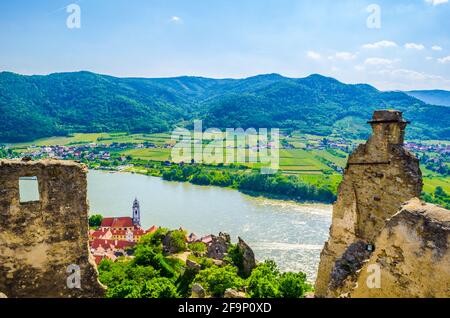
(44,242)
(380,175)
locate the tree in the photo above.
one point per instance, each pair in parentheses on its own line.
(159,287)
(263,281)
(266,281)
(197,247)
(154,239)
(439,192)
(294,285)
(145,255)
(126,289)
(201,178)
(218,279)
(176,240)
(95,220)
(112,274)
(236,256)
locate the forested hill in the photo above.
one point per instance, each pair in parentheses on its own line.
(435,97)
(38,106)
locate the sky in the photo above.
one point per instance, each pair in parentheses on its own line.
(390,44)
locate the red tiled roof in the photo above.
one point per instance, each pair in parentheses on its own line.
(111,244)
(152,229)
(123,221)
(98,233)
(192,237)
(138,232)
(105,244)
(98,259)
(206,239)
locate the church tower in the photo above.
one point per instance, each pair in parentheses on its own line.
(136,213)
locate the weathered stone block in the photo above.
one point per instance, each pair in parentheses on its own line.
(380,175)
(412,254)
(43,243)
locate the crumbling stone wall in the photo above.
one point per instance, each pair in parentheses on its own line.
(412,254)
(380,175)
(39,240)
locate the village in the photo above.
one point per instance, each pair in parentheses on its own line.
(118,156)
(116,236)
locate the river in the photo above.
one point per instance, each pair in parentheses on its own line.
(290,233)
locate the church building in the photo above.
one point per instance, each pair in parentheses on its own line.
(124,223)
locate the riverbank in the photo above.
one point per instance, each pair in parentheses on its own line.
(250,182)
(290,233)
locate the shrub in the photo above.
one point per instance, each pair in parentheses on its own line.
(126,289)
(216,279)
(197,247)
(294,285)
(177,240)
(236,257)
(159,287)
(266,281)
(263,281)
(154,239)
(145,255)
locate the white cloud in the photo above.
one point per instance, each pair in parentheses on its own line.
(436,2)
(406,79)
(345,56)
(359,68)
(313,55)
(380,44)
(335,69)
(428,58)
(445,59)
(409,75)
(378,61)
(436,48)
(175,19)
(414,46)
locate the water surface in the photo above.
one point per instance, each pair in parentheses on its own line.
(292,234)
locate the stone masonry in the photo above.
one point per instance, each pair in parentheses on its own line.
(380,175)
(43,243)
(412,254)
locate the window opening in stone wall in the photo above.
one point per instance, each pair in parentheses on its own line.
(28,189)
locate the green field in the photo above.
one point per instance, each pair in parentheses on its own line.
(157,154)
(309,165)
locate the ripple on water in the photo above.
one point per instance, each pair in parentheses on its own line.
(290,233)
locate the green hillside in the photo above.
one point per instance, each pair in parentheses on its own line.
(40,106)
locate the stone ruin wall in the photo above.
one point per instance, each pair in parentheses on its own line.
(380,175)
(39,240)
(413,254)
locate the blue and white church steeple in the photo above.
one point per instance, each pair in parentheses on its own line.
(136,213)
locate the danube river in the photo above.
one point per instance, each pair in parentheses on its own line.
(292,234)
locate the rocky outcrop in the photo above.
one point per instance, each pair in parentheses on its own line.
(44,249)
(380,175)
(219,246)
(411,256)
(248,257)
(198,291)
(193,265)
(232,293)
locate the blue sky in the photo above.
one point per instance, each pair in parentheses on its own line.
(231,38)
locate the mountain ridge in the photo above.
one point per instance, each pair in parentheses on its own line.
(35,106)
(438,97)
